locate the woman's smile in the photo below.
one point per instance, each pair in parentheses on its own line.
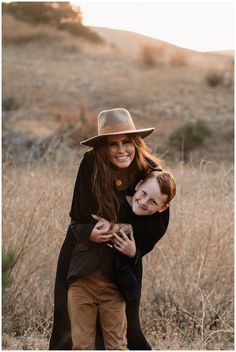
(122,157)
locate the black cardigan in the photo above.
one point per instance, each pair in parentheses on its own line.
(147,232)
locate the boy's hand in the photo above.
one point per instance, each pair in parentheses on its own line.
(125,244)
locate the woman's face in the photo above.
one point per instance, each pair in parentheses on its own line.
(121,150)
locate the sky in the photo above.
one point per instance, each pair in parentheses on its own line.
(199,25)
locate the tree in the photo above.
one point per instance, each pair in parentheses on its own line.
(61,15)
(53,13)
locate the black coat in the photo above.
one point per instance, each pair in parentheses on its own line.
(147,232)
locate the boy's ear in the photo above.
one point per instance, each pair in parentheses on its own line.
(138,185)
(164,208)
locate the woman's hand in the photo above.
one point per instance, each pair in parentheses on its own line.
(99,233)
(103,223)
(125,244)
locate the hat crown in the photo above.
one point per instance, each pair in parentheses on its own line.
(115,120)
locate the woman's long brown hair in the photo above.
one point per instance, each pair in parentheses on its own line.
(103,178)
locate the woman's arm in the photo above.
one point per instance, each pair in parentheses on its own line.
(147,231)
(83,225)
(120,234)
(83,202)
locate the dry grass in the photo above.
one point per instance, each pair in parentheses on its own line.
(160,55)
(153,55)
(34,225)
(20,33)
(178,58)
(187,300)
(188,281)
(224,77)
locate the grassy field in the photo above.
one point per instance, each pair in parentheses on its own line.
(187,297)
(53,88)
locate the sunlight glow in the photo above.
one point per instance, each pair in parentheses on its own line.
(198,25)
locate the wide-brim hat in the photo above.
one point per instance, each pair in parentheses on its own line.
(114,122)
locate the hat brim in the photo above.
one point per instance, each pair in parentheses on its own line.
(91,142)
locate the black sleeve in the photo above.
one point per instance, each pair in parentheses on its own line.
(83,202)
(148,230)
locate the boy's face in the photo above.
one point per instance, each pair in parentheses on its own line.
(148,198)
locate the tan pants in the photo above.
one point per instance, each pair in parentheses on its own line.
(86,297)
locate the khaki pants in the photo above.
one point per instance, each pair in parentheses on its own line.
(86,297)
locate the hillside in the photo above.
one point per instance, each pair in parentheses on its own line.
(124,40)
(55,84)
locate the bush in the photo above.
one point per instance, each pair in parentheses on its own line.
(152,56)
(8,262)
(214,78)
(190,136)
(9,103)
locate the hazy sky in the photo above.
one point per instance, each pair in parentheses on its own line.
(199,25)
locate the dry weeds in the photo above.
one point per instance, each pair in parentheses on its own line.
(187,300)
(188,280)
(159,55)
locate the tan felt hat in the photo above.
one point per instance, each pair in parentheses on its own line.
(113,122)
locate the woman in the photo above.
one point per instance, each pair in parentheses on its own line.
(107,173)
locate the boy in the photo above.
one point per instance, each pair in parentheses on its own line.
(153,194)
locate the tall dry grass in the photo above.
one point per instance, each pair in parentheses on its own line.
(188,278)
(35,216)
(187,297)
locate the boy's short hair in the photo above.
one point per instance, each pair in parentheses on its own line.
(166,182)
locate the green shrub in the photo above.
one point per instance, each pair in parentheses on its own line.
(8,262)
(190,136)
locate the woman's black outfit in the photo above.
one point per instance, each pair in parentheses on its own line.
(147,230)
